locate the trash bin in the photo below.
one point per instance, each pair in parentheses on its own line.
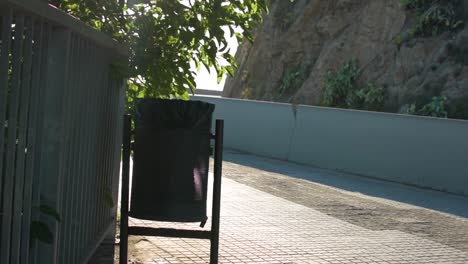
(170,162)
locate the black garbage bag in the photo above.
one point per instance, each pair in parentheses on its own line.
(170,162)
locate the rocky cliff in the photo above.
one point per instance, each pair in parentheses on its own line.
(302,41)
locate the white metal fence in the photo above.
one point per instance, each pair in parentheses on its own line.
(60,134)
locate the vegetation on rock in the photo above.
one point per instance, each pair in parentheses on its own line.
(437,107)
(434,16)
(341,89)
(431,59)
(292,80)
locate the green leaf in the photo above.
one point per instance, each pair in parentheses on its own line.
(165,34)
(40,231)
(230,70)
(108,200)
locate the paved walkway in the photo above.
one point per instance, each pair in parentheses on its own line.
(319,217)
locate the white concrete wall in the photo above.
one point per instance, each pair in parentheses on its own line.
(426,152)
(260,128)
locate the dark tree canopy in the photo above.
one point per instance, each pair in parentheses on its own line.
(166,36)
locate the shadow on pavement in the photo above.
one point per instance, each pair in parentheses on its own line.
(431,199)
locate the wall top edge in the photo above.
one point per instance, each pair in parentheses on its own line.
(299,107)
(56,17)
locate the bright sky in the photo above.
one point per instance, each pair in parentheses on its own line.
(206,80)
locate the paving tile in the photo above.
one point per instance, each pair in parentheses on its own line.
(257,227)
(261,225)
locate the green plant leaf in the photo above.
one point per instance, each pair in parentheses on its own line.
(40,231)
(434,16)
(230,70)
(437,107)
(108,200)
(341,90)
(165,36)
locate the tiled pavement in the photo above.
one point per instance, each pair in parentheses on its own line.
(278,227)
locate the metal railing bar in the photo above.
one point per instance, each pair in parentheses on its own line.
(83,154)
(108,150)
(11,145)
(51,157)
(168,232)
(65,135)
(113,173)
(113,84)
(37,183)
(31,140)
(77,167)
(217,178)
(105,162)
(98,128)
(67,98)
(7,20)
(67,150)
(98,103)
(111,141)
(86,153)
(124,200)
(89,171)
(21,141)
(99,131)
(74,144)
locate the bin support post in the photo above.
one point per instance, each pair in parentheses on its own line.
(125,230)
(123,252)
(218,161)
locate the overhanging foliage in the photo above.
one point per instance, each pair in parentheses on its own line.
(166,36)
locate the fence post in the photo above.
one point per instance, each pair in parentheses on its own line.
(122,86)
(52,137)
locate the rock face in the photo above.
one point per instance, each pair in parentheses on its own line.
(311,37)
